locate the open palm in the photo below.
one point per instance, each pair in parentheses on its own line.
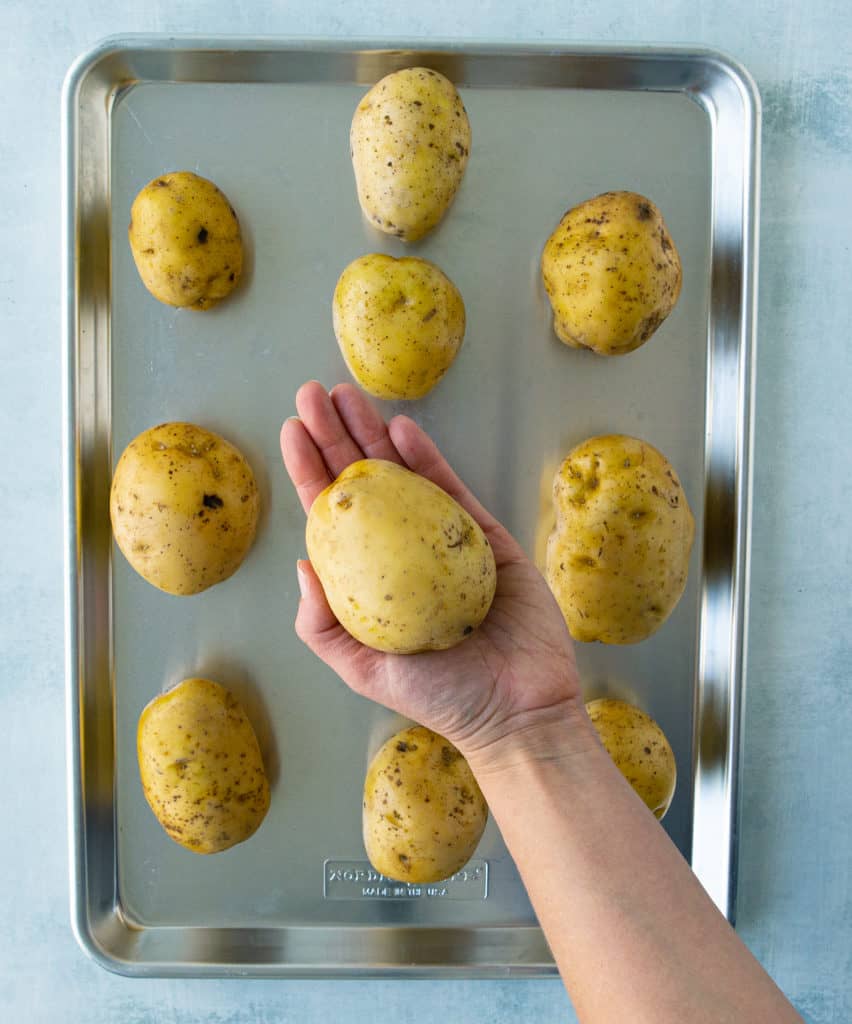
(518,663)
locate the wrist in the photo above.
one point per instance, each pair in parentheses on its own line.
(561,733)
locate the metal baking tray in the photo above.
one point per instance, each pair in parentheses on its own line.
(268,121)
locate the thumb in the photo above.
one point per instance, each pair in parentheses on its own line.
(315,616)
(317,627)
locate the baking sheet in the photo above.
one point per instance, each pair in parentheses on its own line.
(268,122)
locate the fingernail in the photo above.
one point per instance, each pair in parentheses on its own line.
(302,577)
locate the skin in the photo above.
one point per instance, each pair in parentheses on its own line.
(399,323)
(410,140)
(201,767)
(423,810)
(612,273)
(618,557)
(509,699)
(186,242)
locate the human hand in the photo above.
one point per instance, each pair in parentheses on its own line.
(513,674)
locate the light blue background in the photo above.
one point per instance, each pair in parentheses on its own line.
(795,904)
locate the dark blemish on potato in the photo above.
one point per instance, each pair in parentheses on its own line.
(649,325)
(429,315)
(162,183)
(212,501)
(231,276)
(467,630)
(643,211)
(402,747)
(647,750)
(202,236)
(449,755)
(344,501)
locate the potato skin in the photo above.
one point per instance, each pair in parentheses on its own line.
(423,811)
(404,567)
(201,766)
(399,323)
(612,273)
(183,506)
(410,140)
(618,557)
(639,748)
(186,241)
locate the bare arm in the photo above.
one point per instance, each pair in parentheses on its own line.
(634,935)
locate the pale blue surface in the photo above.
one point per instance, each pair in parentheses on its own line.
(795,906)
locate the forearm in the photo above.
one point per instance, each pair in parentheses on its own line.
(634,934)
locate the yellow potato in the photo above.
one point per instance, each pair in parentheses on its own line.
(186,242)
(423,811)
(399,324)
(404,567)
(183,506)
(618,557)
(201,767)
(612,273)
(639,748)
(410,140)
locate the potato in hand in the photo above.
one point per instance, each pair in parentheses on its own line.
(410,140)
(423,811)
(183,506)
(201,767)
(186,241)
(612,273)
(399,323)
(404,567)
(618,557)
(639,748)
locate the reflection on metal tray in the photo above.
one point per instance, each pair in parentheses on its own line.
(268,121)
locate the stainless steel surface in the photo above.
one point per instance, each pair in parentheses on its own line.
(268,121)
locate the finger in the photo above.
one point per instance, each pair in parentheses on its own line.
(421,454)
(315,616)
(317,627)
(303,461)
(364,423)
(325,426)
